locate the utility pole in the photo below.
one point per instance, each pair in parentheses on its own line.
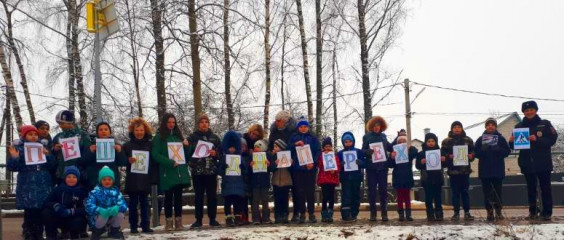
(407,111)
(97,77)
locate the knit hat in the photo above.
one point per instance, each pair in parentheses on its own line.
(327,141)
(529,104)
(262,145)
(281,144)
(71,170)
(65,116)
(27,129)
(106,172)
(244,141)
(40,123)
(455,123)
(302,122)
(347,136)
(431,136)
(283,115)
(203,116)
(491,120)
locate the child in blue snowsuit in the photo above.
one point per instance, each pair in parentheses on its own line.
(350,180)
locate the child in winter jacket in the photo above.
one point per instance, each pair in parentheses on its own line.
(137,184)
(173,175)
(327,180)
(260,182)
(491,150)
(34,182)
(305,174)
(431,180)
(459,175)
(64,208)
(232,185)
(281,183)
(402,180)
(65,119)
(351,179)
(106,206)
(377,164)
(91,162)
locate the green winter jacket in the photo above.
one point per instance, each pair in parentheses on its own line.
(170,176)
(84,142)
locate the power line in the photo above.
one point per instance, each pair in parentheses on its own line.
(487,94)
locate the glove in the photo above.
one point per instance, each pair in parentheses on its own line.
(67,212)
(358,162)
(104,212)
(113,211)
(57,207)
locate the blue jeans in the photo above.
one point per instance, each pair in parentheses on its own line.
(143,201)
(460,185)
(377,182)
(350,198)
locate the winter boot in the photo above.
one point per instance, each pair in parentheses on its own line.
(178,224)
(329,216)
(324,216)
(439,216)
(468,217)
(97,233)
(401,215)
(533,212)
(214,223)
(384,215)
(430,216)
(373,215)
(238,220)
(196,224)
(312,218)
(245,219)
(302,218)
(490,213)
(115,233)
(229,221)
(455,217)
(408,215)
(285,218)
(169,224)
(256,220)
(498,214)
(295,218)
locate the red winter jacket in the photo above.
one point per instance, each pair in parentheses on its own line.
(330,177)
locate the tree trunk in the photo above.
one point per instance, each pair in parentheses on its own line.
(227,66)
(4,116)
(15,51)
(195,55)
(283,62)
(364,60)
(267,62)
(156,17)
(333,69)
(8,129)
(70,65)
(319,68)
(74,15)
(134,58)
(305,62)
(10,86)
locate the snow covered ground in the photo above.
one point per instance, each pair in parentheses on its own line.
(477,231)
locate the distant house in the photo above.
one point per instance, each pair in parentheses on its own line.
(417,143)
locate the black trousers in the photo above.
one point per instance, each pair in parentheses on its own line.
(205,184)
(174,194)
(233,200)
(328,200)
(543,179)
(492,192)
(74,225)
(305,191)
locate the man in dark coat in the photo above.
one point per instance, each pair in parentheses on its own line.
(536,162)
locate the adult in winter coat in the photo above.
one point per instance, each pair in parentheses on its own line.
(491,151)
(205,171)
(232,185)
(34,182)
(328,181)
(305,175)
(64,208)
(350,180)
(255,133)
(376,170)
(173,175)
(138,185)
(402,180)
(65,119)
(91,164)
(459,175)
(431,180)
(536,163)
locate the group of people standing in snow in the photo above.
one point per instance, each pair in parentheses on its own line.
(83,191)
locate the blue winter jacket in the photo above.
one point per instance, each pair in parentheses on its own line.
(307,138)
(402,175)
(492,157)
(351,175)
(232,185)
(370,138)
(34,181)
(102,197)
(69,198)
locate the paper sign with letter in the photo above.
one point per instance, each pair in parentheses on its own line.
(233,162)
(379,154)
(202,149)
(285,158)
(460,155)
(521,138)
(70,148)
(141,165)
(259,162)
(329,162)
(489,140)
(105,150)
(349,160)
(34,153)
(176,152)
(401,153)
(433,160)
(304,155)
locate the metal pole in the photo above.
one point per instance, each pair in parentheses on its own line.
(154,205)
(97,78)
(407,111)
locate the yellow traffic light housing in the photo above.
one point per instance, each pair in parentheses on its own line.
(95,18)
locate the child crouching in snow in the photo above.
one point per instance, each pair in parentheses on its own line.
(106,206)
